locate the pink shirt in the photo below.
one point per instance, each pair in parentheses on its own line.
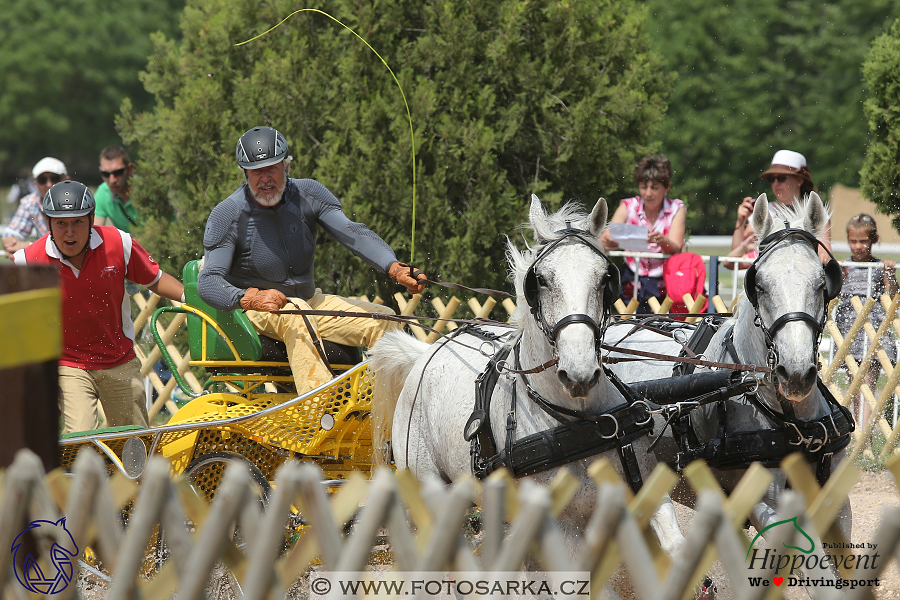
(651,267)
(98,332)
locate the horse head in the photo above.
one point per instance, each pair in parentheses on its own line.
(789,289)
(565,285)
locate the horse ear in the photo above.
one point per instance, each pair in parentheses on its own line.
(536,213)
(598,217)
(816,214)
(761,219)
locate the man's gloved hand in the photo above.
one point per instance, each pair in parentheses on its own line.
(265,300)
(407,276)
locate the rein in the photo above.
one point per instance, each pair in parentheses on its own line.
(459,286)
(768,446)
(503,365)
(681,359)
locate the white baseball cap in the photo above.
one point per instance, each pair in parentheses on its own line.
(48,164)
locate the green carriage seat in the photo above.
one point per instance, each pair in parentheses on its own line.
(249,344)
(234,323)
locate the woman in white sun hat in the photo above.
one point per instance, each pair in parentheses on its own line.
(790,179)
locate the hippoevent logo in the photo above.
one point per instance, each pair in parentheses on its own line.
(790,569)
(62,556)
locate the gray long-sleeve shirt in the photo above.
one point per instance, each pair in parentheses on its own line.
(247,245)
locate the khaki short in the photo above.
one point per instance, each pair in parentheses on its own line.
(119,389)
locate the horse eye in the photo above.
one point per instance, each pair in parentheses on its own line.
(541,281)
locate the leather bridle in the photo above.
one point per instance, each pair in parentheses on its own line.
(833,283)
(611,286)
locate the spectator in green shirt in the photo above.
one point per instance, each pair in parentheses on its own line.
(113,196)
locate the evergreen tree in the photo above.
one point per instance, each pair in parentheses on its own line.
(756,77)
(65,68)
(507,98)
(881,173)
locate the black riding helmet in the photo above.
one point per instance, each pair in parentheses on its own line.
(261,147)
(68,199)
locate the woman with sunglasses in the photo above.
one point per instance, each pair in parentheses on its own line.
(28,218)
(790,181)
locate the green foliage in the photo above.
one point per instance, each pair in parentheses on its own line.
(557,98)
(756,77)
(881,173)
(65,68)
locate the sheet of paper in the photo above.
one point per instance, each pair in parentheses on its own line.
(630,237)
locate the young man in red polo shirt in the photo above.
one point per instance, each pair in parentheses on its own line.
(98,363)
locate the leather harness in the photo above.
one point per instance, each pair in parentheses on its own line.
(818,439)
(580,437)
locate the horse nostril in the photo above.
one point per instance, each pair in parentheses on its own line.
(578,387)
(811,376)
(781,373)
(595,378)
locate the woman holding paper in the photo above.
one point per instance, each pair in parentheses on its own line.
(664,220)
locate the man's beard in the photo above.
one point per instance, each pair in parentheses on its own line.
(269,199)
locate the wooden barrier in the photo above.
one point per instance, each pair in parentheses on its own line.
(857,371)
(30,344)
(423,525)
(149,357)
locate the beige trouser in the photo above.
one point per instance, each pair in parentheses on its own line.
(307,367)
(120,390)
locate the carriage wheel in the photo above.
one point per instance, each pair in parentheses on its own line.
(205,473)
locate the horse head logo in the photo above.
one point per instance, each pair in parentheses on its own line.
(62,555)
(793,522)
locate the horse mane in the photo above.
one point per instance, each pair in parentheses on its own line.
(796,216)
(546,230)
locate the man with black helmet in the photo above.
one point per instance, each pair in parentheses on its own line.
(98,363)
(259,255)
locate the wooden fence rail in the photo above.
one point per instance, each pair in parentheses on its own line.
(424,524)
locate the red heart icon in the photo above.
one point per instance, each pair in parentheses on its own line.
(778,580)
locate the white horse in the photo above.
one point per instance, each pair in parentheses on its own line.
(565,278)
(780,328)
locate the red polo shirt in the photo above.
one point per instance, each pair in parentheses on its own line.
(98,332)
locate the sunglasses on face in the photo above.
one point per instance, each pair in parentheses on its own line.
(54,179)
(780,178)
(116,173)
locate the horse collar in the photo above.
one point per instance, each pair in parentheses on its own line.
(545,450)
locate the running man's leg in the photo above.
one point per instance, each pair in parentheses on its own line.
(121,392)
(77,399)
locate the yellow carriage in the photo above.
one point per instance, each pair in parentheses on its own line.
(249,410)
